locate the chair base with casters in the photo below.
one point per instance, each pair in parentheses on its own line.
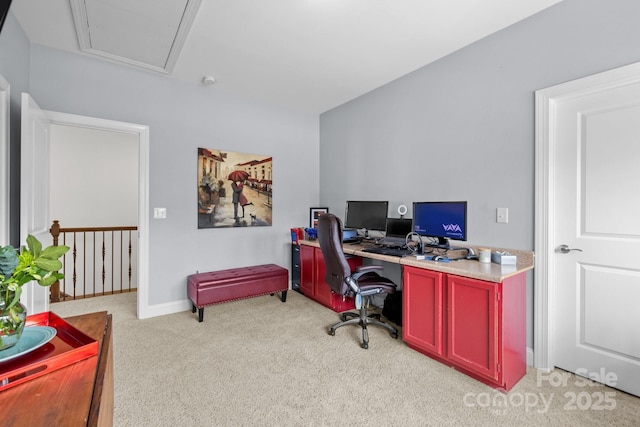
(363,319)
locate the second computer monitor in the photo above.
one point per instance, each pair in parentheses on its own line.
(367,215)
(441,220)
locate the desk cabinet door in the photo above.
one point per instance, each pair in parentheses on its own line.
(422,310)
(472,323)
(323,292)
(307,264)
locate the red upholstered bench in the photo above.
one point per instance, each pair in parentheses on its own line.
(237,283)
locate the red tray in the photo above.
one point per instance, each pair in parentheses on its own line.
(67,347)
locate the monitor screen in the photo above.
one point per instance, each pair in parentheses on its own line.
(368,215)
(441,220)
(398,227)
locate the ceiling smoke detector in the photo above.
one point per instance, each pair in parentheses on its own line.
(208,80)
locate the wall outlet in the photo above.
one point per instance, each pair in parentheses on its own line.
(502,215)
(160,213)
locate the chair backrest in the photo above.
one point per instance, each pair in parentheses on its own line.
(337,267)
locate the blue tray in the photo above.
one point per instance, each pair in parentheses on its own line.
(33,337)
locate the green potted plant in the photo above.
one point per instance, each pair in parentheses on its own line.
(17,268)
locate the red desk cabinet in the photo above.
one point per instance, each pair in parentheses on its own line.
(475,326)
(423,310)
(312,284)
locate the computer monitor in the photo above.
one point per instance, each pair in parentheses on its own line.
(398,227)
(441,221)
(366,215)
(397,230)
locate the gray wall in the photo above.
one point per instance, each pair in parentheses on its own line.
(462,128)
(183,117)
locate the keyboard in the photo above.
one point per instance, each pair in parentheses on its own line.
(391,241)
(382,250)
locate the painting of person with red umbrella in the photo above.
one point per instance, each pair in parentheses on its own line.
(238,177)
(239,186)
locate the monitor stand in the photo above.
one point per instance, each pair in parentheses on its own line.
(443,243)
(366,237)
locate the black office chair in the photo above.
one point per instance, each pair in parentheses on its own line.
(360,284)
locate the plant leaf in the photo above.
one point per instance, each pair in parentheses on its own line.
(48,264)
(54,252)
(34,245)
(8,260)
(48,280)
(15,299)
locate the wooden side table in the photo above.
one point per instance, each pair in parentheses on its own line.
(80,394)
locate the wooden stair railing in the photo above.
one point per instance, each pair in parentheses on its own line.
(96,234)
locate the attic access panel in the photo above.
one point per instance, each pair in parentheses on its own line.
(145,33)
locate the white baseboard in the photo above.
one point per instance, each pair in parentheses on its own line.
(164,309)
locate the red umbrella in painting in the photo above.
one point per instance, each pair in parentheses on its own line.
(238,176)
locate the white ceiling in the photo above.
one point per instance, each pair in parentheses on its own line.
(305,54)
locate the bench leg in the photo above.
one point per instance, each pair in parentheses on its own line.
(193,308)
(200,314)
(283,296)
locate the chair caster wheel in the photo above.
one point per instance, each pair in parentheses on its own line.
(365,345)
(332,332)
(394,335)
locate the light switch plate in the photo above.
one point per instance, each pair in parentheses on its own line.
(502,215)
(160,213)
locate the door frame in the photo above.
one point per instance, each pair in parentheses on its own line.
(143,190)
(545,184)
(5,189)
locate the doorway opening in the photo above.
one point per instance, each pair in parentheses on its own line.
(130,132)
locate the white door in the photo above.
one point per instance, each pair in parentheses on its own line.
(596,235)
(34,191)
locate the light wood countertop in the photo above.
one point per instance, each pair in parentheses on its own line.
(458,265)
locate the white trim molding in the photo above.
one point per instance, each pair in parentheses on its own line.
(143,190)
(5,151)
(545,182)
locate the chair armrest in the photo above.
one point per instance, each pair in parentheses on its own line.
(368,268)
(364,269)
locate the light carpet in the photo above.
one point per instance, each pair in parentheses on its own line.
(259,362)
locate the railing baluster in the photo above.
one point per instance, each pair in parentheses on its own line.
(129,260)
(104,273)
(55,288)
(75,256)
(113,249)
(64,268)
(84,264)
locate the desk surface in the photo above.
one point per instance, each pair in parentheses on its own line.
(462,267)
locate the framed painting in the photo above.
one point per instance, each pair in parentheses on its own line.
(234,189)
(313,216)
